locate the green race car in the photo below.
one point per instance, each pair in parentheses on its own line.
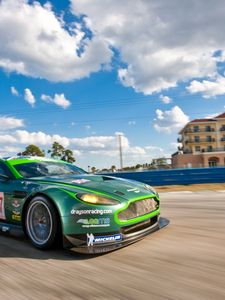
(52,201)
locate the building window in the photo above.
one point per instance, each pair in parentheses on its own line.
(208,128)
(222,128)
(208,138)
(196,128)
(197,148)
(213,161)
(209,149)
(197,139)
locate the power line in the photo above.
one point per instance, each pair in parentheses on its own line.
(150,117)
(90,105)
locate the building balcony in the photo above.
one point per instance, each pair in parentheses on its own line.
(204,151)
(201,141)
(212,130)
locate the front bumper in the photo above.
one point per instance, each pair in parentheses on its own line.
(109,241)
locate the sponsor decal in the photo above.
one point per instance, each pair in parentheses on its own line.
(92,240)
(16,217)
(135,190)
(80,181)
(90,212)
(16,203)
(16,212)
(2,208)
(5,229)
(94,222)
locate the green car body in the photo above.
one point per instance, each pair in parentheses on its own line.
(92,213)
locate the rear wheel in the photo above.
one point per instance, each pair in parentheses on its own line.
(41,222)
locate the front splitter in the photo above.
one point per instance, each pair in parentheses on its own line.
(126,240)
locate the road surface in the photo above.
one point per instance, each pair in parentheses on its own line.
(184,261)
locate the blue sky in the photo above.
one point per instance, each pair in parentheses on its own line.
(81,71)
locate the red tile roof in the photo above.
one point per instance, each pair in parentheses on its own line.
(202,120)
(221,116)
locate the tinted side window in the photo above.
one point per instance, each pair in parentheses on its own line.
(4,170)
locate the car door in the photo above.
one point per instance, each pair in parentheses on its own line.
(12,196)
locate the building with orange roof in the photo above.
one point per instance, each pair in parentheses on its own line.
(202,144)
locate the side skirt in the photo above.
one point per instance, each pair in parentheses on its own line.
(11,228)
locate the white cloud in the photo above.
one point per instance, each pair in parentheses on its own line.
(37,44)
(154,149)
(208,88)
(135,151)
(7,123)
(14,91)
(7,139)
(170,120)
(165,99)
(58,99)
(29,97)
(10,149)
(47,98)
(173,146)
(103,149)
(24,137)
(211,116)
(159,48)
(119,133)
(87,127)
(93,143)
(77,153)
(107,145)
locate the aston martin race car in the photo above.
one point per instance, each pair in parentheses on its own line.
(52,201)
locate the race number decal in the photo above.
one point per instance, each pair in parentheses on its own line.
(2,209)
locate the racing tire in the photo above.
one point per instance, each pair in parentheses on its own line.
(41,223)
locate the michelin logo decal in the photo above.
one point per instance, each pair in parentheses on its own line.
(91,239)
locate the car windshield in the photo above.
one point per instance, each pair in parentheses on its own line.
(47,168)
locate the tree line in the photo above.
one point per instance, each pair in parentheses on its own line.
(57,151)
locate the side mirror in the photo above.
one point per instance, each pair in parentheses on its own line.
(4,177)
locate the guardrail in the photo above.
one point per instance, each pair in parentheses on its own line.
(175,176)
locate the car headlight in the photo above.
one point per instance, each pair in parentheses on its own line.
(96,199)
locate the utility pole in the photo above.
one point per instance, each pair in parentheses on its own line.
(120,150)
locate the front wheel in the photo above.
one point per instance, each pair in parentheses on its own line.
(41,222)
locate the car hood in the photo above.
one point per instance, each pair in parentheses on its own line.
(117,187)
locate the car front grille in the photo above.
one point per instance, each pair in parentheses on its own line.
(138,208)
(139,226)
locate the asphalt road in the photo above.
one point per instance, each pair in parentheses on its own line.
(185,260)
